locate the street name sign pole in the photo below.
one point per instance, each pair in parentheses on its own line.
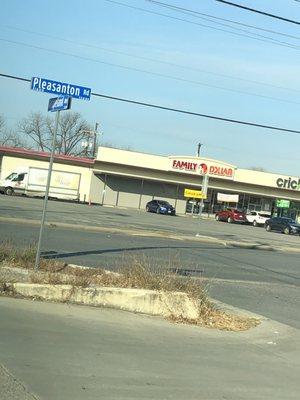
(65,91)
(38,252)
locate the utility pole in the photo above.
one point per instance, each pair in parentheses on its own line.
(95,139)
(88,144)
(198,149)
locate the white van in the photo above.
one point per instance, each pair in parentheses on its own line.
(32,182)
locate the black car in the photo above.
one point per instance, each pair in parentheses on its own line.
(283,224)
(160,207)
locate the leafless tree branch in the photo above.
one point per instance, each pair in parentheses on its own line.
(71,132)
(9,137)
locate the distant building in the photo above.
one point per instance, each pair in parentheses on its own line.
(122,178)
(131,179)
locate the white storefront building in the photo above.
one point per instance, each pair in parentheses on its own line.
(121,178)
(130,179)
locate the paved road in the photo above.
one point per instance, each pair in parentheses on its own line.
(30,208)
(11,388)
(261,281)
(69,352)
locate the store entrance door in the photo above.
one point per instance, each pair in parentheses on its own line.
(192,206)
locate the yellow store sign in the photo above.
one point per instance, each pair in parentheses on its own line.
(194,194)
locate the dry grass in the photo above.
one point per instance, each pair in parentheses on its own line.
(25,257)
(217,319)
(137,273)
(16,256)
(140,277)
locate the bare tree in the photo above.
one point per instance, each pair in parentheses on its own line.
(35,129)
(71,132)
(3,134)
(2,123)
(9,137)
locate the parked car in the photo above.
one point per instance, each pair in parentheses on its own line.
(231,215)
(283,224)
(257,218)
(160,207)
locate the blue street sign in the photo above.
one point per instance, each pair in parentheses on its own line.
(59,103)
(60,88)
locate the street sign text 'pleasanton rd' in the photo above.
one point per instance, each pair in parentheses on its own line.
(60,88)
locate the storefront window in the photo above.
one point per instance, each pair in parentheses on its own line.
(254,204)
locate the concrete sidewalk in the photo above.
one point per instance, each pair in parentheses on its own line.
(74,353)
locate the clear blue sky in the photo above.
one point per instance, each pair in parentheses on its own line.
(208,57)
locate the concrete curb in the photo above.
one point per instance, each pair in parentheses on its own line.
(166,304)
(288,249)
(254,246)
(177,305)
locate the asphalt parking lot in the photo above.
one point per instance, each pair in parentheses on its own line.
(99,216)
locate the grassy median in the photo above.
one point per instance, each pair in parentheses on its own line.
(138,273)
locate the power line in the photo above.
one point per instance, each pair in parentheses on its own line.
(259,12)
(181,138)
(149,59)
(250,35)
(197,14)
(158,74)
(18,78)
(230,26)
(176,110)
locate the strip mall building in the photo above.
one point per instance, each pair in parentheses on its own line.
(123,178)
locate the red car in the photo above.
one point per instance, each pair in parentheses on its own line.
(231,215)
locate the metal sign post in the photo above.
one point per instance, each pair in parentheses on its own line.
(55,105)
(38,253)
(204,192)
(65,91)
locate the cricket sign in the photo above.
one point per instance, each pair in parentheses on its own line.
(282,203)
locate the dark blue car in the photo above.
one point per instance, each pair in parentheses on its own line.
(160,207)
(283,224)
